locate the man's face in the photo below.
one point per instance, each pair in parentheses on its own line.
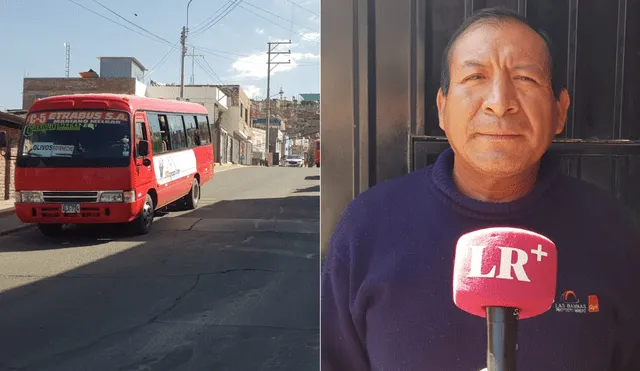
(500,114)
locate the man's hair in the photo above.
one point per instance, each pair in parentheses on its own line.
(494,14)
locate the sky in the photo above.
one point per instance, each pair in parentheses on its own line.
(229,36)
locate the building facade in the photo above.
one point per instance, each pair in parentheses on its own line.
(239,136)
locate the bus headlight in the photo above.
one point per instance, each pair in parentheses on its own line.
(111,197)
(29,196)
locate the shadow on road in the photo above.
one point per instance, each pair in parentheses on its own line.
(312,177)
(287,208)
(308,189)
(181,297)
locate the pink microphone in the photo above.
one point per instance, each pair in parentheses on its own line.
(504,274)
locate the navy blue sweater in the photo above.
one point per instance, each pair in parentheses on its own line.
(387,291)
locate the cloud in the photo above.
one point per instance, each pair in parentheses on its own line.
(252,91)
(311,36)
(259,31)
(255,66)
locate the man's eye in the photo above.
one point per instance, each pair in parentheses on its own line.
(473,77)
(525,78)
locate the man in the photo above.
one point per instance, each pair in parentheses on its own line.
(386,287)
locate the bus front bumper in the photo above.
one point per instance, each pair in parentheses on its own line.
(89,213)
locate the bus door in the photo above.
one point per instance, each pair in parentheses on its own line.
(144,174)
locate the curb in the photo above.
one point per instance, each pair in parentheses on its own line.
(7,212)
(5,232)
(16,229)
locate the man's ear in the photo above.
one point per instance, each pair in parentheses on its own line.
(441,101)
(563,109)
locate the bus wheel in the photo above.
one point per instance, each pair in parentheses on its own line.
(194,195)
(142,224)
(50,230)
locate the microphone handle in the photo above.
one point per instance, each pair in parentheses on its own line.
(502,337)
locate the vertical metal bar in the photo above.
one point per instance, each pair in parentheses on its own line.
(413,60)
(618,91)
(413,81)
(424,57)
(572,53)
(522,7)
(468,8)
(579,159)
(356,99)
(372,92)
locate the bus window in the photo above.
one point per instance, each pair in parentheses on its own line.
(177,134)
(141,134)
(158,145)
(190,126)
(203,126)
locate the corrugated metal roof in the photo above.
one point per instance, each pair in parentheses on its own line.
(10,120)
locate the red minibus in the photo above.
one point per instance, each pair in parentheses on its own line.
(110,158)
(317,153)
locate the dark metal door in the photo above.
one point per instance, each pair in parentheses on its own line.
(381,69)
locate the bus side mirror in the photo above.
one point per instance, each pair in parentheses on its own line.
(3,139)
(143,148)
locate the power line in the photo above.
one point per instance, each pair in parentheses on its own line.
(232,5)
(276,24)
(275,15)
(214,76)
(218,51)
(162,60)
(134,24)
(204,23)
(119,24)
(302,7)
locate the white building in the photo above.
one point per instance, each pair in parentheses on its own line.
(239,136)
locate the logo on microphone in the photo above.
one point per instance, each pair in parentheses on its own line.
(508,268)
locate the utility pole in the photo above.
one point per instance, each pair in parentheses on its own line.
(183,41)
(272,45)
(193,64)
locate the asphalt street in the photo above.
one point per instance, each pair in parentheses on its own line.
(232,285)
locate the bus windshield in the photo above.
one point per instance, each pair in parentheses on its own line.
(76,138)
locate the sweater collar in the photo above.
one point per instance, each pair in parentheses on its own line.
(442,180)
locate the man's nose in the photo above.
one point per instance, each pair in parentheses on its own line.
(501,99)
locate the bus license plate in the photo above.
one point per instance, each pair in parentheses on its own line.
(70,208)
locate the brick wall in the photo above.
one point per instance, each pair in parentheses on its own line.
(44,87)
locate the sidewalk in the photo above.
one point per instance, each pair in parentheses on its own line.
(6,207)
(9,222)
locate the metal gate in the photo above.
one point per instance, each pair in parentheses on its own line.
(381,71)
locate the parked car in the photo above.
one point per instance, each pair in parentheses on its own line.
(294,161)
